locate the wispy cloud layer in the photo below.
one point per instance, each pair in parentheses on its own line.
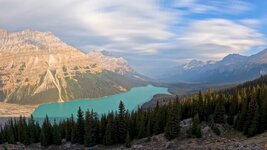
(215,38)
(149,30)
(122,24)
(215,6)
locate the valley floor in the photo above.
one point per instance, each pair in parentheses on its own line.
(15,110)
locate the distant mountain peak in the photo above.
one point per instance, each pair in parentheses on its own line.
(233,59)
(194,63)
(233,56)
(211,62)
(232,68)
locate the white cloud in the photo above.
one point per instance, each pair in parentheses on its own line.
(253,23)
(120,21)
(139,28)
(215,38)
(215,6)
(125,21)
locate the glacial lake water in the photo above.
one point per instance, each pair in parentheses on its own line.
(131,99)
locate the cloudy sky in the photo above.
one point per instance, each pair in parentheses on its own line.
(153,35)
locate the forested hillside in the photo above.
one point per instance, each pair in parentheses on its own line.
(243,107)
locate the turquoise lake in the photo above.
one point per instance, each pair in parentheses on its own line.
(131,99)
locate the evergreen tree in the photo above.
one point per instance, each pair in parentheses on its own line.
(219,111)
(241,118)
(201,110)
(1,136)
(233,109)
(141,127)
(74,134)
(109,133)
(148,129)
(46,133)
(255,125)
(88,130)
(195,130)
(251,111)
(62,129)
(80,126)
(102,129)
(91,133)
(122,126)
(70,129)
(162,117)
(209,104)
(26,132)
(264,110)
(173,123)
(56,134)
(23,133)
(116,129)
(156,124)
(10,133)
(34,130)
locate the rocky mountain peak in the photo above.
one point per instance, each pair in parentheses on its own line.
(31,41)
(39,61)
(232,57)
(193,64)
(232,68)
(114,64)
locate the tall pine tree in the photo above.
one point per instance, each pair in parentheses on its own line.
(219,110)
(46,133)
(80,126)
(122,125)
(173,123)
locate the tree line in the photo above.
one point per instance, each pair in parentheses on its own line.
(243,107)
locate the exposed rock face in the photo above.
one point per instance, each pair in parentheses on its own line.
(110,63)
(37,67)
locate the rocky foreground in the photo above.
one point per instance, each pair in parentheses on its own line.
(228,140)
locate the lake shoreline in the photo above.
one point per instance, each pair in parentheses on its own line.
(132,98)
(10,110)
(96,98)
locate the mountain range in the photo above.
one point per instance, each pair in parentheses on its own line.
(232,68)
(37,67)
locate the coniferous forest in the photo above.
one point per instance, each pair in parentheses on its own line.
(243,107)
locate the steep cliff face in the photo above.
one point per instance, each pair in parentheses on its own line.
(37,67)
